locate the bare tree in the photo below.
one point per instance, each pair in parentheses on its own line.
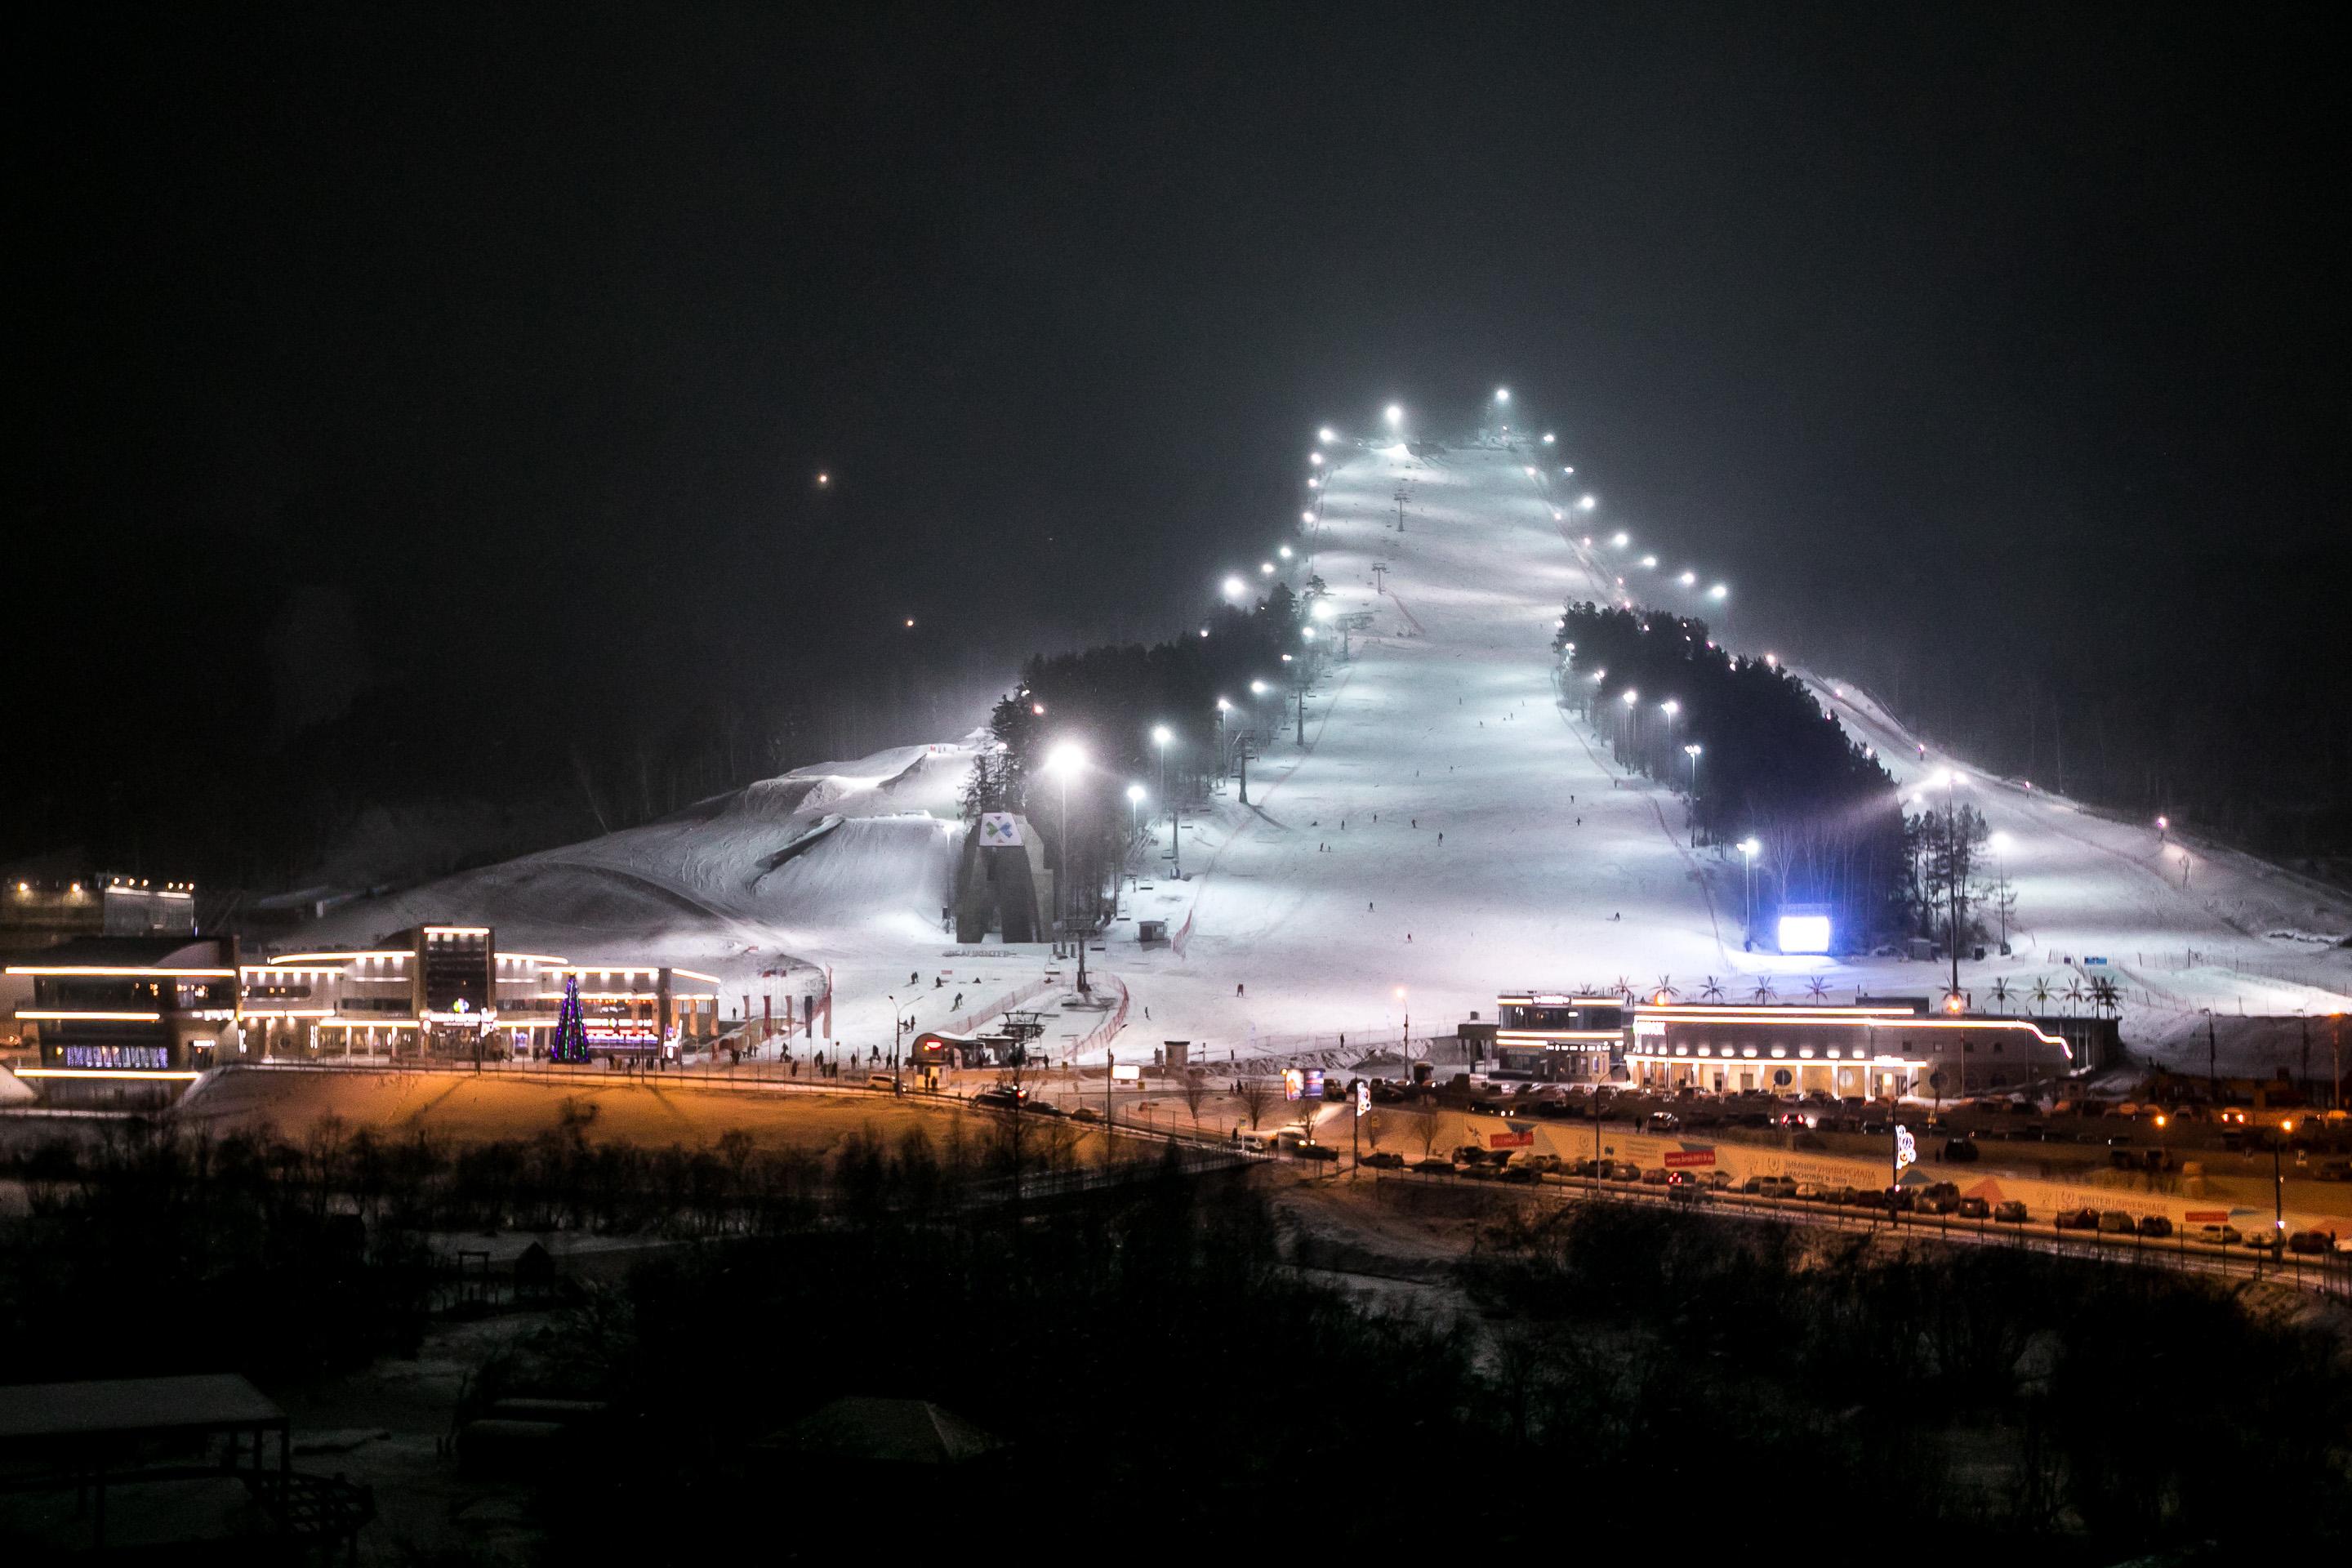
(1426,1129)
(1194,1088)
(1256,1094)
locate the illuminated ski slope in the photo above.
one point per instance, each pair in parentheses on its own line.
(1332,890)
(1557,873)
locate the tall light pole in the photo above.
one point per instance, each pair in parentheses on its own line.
(2000,843)
(1632,699)
(1404,1050)
(1160,736)
(1135,812)
(1671,709)
(1692,752)
(1062,762)
(1748,851)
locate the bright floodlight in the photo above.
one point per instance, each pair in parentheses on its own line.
(1567,469)
(1750,847)
(1314,484)
(1325,435)
(1804,934)
(1999,841)
(1718,592)
(1322,610)
(1306,517)
(1135,793)
(1284,551)
(1621,539)
(1065,759)
(1395,415)
(1315,457)
(1235,588)
(1306,634)
(1548,437)
(1632,697)
(1670,706)
(1531,470)
(1692,750)
(1943,778)
(1587,503)
(1649,561)
(1502,395)
(1258,688)
(1688,578)
(1266,567)
(1161,735)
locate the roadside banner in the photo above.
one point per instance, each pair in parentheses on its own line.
(1525,1139)
(998,830)
(1686,1159)
(1907,1153)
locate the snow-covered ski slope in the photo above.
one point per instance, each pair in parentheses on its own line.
(1557,871)
(820,865)
(1332,890)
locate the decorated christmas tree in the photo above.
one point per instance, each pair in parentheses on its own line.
(570,1030)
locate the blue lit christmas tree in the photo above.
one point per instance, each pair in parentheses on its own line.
(570,1030)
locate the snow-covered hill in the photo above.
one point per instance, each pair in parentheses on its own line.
(1447,829)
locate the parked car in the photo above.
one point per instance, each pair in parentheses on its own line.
(1932,1202)
(1973,1208)
(999,1099)
(2008,1211)
(1434,1167)
(1520,1175)
(1383,1160)
(2116,1222)
(2311,1243)
(1314,1152)
(1623,1171)
(1655,1176)
(2154,1224)
(1961,1151)
(2265,1240)
(2076,1219)
(1661,1121)
(2220,1235)
(1808,1192)
(1528,1160)
(1718,1180)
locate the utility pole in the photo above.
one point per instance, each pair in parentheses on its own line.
(2212,1060)
(1241,762)
(1302,712)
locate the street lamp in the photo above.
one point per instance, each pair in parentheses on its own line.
(1266,568)
(1748,850)
(1547,438)
(1062,762)
(1651,560)
(1285,551)
(1235,588)
(1587,503)
(1719,593)
(1688,579)
(1161,735)
(1692,752)
(1620,538)
(1316,458)
(1395,415)
(1998,843)
(1502,395)
(1325,435)
(1404,1051)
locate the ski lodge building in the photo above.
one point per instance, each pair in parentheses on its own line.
(160,1010)
(1872,1048)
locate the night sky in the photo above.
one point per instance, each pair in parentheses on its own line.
(468,368)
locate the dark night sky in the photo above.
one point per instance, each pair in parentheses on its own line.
(453,350)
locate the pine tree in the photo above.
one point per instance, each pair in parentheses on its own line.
(571,1029)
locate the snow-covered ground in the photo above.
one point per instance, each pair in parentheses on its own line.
(1306,912)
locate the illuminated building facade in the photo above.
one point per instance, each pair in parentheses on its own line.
(126,1008)
(1556,1037)
(450,991)
(1871,1050)
(37,912)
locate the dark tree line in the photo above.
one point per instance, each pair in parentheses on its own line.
(1773,765)
(1107,701)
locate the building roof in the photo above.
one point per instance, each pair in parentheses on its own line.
(889,1431)
(136,952)
(208,1402)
